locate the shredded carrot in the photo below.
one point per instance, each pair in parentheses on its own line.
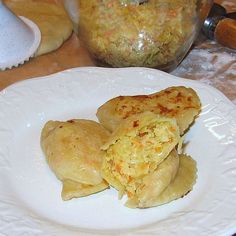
(158,149)
(172,13)
(109,32)
(136,143)
(118,168)
(129,194)
(129,178)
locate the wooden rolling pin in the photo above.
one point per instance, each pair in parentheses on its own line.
(221,26)
(225,33)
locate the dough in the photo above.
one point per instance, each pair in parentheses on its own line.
(72,150)
(50,16)
(180,103)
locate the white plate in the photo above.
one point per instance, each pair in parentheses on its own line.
(30,202)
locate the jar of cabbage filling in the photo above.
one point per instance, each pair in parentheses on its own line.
(147,33)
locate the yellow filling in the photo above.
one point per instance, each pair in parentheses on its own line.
(138,153)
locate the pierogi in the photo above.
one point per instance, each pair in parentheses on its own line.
(180,103)
(178,187)
(135,150)
(72,150)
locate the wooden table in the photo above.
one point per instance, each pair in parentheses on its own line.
(71,54)
(211,63)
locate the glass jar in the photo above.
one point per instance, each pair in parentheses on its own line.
(151,33)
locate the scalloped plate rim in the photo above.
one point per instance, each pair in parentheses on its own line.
(131,70)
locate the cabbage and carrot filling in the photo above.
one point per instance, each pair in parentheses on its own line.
(138,153)
(150,34)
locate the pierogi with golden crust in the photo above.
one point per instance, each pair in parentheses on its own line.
(139,158)
(72,189)
(136,148)
(179,186)
(154,183)
(72,150)
(180,103)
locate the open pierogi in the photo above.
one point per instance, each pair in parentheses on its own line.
(136,148)
(72,150)
(141,161)
(167,185)
(180,103)
(139,157)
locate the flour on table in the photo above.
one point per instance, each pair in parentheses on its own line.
(212,64)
